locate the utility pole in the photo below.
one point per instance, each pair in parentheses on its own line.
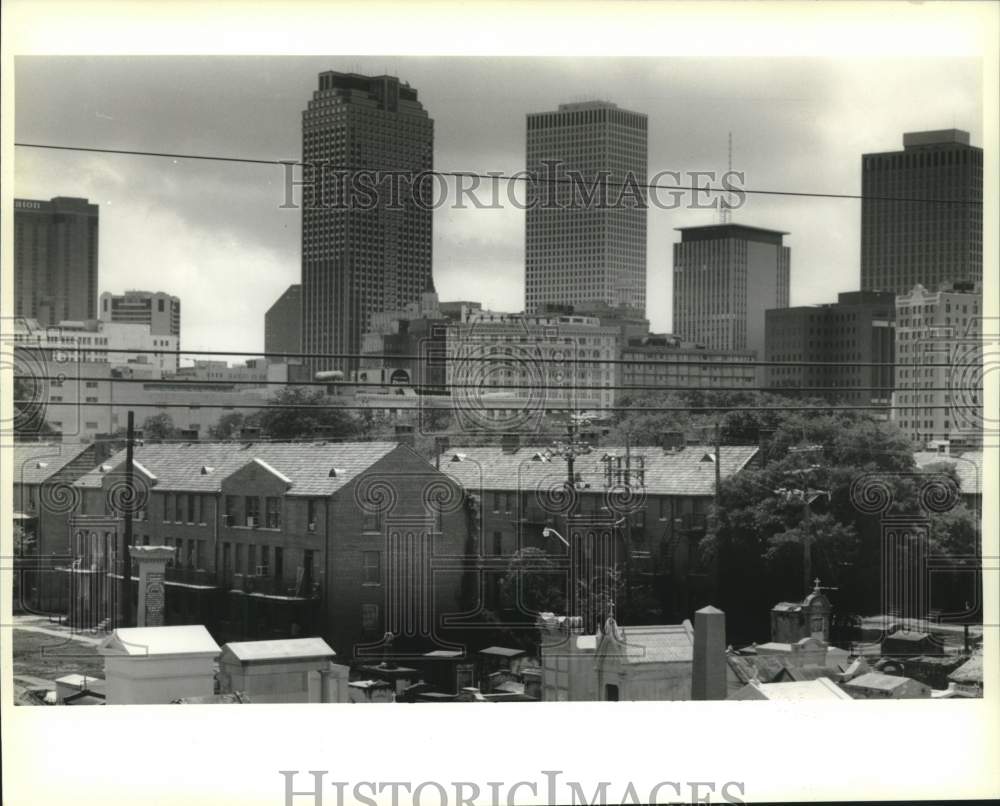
(129,497)
(718,468)
(568,450)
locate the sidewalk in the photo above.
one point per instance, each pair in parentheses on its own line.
(34,624)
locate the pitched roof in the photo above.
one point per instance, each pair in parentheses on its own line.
(969,672)
(654,643)
(877,680)
(281,649)
(201,466)
(968,468)
(36,462)
(187,639)
(765,668)
(799,691)
(684,472)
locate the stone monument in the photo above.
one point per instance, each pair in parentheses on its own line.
(152,562)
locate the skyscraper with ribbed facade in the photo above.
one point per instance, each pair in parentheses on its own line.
(725,277)
(580,250)
(922,213)
(366,227)
(55,259)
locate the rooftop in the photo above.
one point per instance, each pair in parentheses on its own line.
(969,672)
(654,643)
(36,462)
(282,649)
(684,472)
(878,680)
(799,691)
(968,467)
(188,639)
(201,466)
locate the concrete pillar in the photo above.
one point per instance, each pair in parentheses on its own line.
(152,562)
(333,685)
(708,677)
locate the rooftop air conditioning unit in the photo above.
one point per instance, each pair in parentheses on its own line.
(312,527)
(251,521)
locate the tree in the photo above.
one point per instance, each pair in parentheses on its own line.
(228,426)
(305,413)
(29,410)
(158,428)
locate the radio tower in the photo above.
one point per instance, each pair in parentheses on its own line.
(725,213)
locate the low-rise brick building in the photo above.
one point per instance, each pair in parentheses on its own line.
(654,499)
(282,539)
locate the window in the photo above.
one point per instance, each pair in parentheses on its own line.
(253,510)
(239,558)
(369,617)
(190,508)
(179,508)
(198,548)
(273,513)
(311,514)
(265,559)
(371,568)
(497,544)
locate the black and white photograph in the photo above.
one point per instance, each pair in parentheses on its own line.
(427,378)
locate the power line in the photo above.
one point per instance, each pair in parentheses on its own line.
(437,360)
(501,177)
(576,407)
(174,381)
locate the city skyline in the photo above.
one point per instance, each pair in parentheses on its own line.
(218,226)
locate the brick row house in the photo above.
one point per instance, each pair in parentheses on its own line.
(283,539)
(656,500)
(43,496)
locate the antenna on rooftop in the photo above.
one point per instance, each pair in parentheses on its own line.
(725,212)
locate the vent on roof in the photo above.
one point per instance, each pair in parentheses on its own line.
(205,470)
(708,457)
(105,468)
(41,465)
(337,472)
(539,457)
(458,457)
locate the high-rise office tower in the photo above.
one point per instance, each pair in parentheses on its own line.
(366,235)
(55,260)
(921,213)
(725,277)
(162,312)
(580,249)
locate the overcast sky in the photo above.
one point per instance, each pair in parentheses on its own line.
(215,235)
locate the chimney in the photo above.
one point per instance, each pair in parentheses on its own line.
(510,443)
(708,674)
(672,441)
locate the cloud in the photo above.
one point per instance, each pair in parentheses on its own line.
(214,233)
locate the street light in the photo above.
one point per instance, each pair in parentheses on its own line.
(548,531)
